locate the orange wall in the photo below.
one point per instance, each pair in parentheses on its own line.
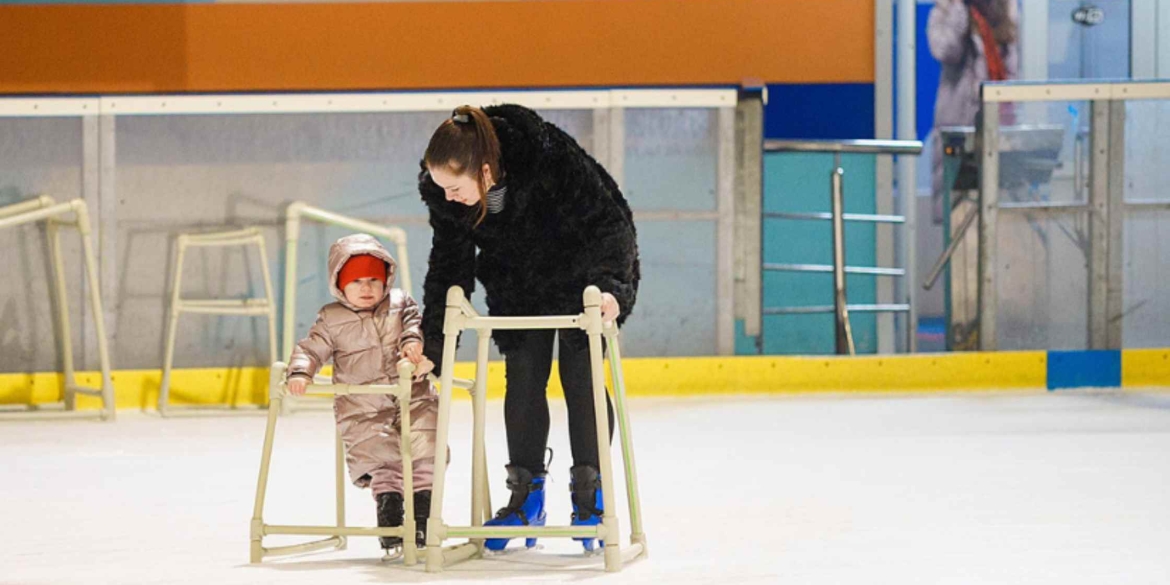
(424,45)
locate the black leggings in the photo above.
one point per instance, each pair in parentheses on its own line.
(527,367)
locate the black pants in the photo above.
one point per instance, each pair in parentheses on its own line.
(527,367)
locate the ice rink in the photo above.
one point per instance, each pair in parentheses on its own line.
(1064,488)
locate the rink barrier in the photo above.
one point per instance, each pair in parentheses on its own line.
(662,377)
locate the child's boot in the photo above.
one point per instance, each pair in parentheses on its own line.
(587,504)
(390,515)
(422,511)
(526,508)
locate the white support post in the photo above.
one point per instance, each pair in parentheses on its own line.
(452,325)
(405,388)
(593,327)
(480,496)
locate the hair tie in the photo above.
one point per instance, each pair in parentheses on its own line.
(461,118)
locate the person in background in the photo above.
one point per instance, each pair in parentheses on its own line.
(975,41)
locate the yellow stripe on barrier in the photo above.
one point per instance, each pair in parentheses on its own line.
(1145,367)
(785,375)
(138,389)
(698,376)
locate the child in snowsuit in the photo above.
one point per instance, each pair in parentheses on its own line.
(365,333)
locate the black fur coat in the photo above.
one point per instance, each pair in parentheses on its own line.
(564,226)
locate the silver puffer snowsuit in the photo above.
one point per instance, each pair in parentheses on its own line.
(365,347)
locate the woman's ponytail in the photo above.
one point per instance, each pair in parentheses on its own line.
(464,143)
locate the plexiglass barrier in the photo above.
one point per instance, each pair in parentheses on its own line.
(152,167)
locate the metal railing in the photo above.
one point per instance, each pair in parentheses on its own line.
(843,333)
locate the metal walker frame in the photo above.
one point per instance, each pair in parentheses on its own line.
(45,208)
(253,307)
(336,535)
(460,316)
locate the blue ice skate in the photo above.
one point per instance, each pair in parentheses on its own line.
(587,503)
(526,508)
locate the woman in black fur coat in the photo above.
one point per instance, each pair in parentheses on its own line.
(548,221)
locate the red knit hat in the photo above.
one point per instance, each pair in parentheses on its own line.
(361,266)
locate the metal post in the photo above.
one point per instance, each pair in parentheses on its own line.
(748,217)
(987,138)
(1116,269)
(844,335)
(907,130)
(1098,216)
(725,234)
(883,122)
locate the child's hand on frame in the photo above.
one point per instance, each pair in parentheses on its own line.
(296,385)
(424,368)
(413,351)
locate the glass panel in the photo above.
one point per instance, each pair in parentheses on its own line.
(1147,151)
(202,173)
(671,158)
(675,314)
(196,173)
(1044,154)
(1146,296)
(1088,39)
(38,156)
(1041,270)
(1042,281)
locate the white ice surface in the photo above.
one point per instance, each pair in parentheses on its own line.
(1062,488)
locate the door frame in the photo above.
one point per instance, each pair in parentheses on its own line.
(1149,56)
